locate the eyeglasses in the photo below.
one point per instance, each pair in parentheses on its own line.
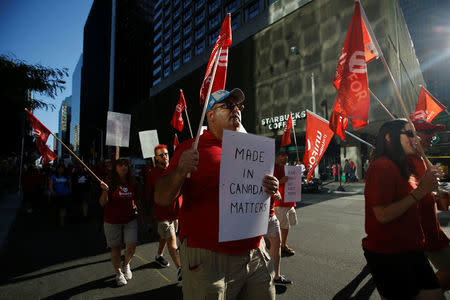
(231,106)
(163,154)
(409,133)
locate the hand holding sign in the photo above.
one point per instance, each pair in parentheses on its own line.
(270,184)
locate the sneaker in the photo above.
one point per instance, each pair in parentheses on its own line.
(127,272)
(288,251)
(120,279)
(282,280)
(161,261)
(179,274)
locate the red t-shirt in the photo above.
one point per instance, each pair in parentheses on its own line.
(279,173)
(120,208)
(435,238)
(385,185)
(199,214)
(162,213)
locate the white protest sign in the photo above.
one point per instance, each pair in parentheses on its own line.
(149,140)
(293,187)
(118,129)
(203,129)
(244,206)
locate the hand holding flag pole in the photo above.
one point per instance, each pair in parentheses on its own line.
(71,152)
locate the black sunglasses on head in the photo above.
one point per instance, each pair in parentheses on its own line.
(407,132)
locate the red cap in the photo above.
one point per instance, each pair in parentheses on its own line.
(423,125)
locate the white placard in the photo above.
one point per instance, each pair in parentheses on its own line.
(244,206)
(293,187)
(118,129)
(149,140)
(203,129)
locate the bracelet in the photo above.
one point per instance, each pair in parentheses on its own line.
(414,197)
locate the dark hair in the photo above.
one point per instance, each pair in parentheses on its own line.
(393,149)
(113,177)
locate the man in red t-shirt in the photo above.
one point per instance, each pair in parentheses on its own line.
(166,215)
(284,211)
(213,269)
(437,246)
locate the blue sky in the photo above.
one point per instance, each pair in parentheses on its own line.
(48,32)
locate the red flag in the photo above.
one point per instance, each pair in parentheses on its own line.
(175,142)
(427,107)
(352,100)
(177,118)
(318,136)
(286,138)
(41,134)
(223,42)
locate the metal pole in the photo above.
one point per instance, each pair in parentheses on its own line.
(313,91)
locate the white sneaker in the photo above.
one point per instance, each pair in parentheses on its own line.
(120,279)
(127,272)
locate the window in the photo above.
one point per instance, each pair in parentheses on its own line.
(166,60)
(187,42)
(157,37)
(166,72)
(199,18)
(176,2)
(251,11)
(166,36)
(166,47)
(158,58)
(187,57)
(158,25)
(187,15)
(167,24)
(156,81)
(167,12)
(187,28)
(177,25)
(156,71)
(235,21)
(176,64)
(213,37)
(176,51)
(199,47)
(157,4)
(158,14)
(177,37)
(214,21)
(214,5)
(199,4)
(177,13)
(157,47)
(232,6)
(199,33)
(187,3)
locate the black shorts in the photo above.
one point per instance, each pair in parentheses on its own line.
(402,275)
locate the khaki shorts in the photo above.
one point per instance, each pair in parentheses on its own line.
(167,229)
(214,275)
(273,228)
(113,233)
(440,258)
(286,215)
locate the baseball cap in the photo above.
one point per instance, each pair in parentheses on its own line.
(282,150)
(423,125)
(220,95)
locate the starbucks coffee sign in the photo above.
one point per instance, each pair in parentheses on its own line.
(279,122)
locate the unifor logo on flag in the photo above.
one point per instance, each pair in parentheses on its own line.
(41,134)
(177,118)
(352,101)
(286,138)
(222,43)
(427,107)
(318,136)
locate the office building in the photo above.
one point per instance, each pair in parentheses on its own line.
(75,118)
(64,119)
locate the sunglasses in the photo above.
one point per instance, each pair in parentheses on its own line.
(230,106)
(163,154)
(409,133)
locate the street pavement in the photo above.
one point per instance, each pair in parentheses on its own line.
(41,261)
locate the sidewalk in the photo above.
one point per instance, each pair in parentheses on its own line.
(9,206)
(347,188)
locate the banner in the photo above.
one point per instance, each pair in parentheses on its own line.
(177,118)
(149,140)
(318,136)
(427,107)
(244,206)
(41,134)
(118,129)
(286,138)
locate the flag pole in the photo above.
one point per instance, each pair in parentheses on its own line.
(205,105)
(71,152)
(189,123)
(382,105)
(295,139)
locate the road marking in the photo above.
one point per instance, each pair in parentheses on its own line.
(147,262)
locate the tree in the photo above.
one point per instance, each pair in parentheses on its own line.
(19,83)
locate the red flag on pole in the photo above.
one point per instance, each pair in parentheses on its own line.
(222,43)
(177,118)
(175,142)
(286,138)
(318,136)
(41,134)
(427,107)
(350,80)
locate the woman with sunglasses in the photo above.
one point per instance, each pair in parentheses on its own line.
(120,199)
(394,243)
